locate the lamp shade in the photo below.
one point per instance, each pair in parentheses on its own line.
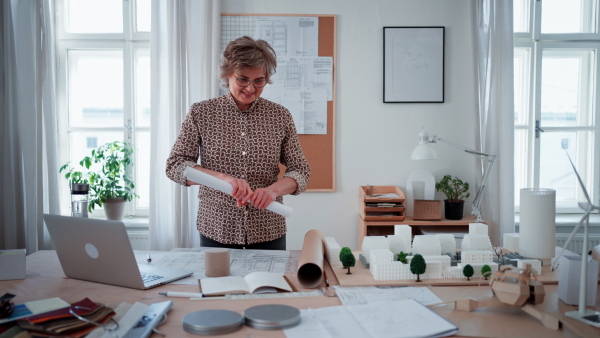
(423,151)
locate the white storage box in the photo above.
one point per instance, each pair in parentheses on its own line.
(12,264)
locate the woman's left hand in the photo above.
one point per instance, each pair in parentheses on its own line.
(262,198)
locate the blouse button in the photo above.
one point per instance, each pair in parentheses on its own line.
(243,153)
(246,212)
(243,134)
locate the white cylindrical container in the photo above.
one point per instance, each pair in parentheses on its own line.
(537,226)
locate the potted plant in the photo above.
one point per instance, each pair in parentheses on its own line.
(110,183)
(456,192)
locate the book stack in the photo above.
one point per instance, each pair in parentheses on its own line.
(76,320)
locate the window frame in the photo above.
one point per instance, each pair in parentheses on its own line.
(537,42)
(129,41)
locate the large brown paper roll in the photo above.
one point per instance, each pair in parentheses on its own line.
(310,271)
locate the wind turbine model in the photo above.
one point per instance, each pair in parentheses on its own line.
(590,317)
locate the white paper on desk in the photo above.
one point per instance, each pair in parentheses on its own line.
(242,262)
(405,318)
(397,319)
(371,294)
(327,322)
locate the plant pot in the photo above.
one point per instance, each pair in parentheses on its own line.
(114,209)
(454,210)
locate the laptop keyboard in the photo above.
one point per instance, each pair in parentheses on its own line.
(149,277)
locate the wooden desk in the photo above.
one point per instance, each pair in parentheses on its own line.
(45,279)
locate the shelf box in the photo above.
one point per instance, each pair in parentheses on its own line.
(427,210)
(393,213)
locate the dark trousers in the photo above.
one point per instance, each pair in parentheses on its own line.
(276,244)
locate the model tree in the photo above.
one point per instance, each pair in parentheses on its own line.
(486,271)
(468,271)
(402,257)
(347,258)
(418,266)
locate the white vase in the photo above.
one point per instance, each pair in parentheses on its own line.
(114,209)
(537,225)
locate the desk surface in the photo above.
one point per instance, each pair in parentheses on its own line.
(45,279)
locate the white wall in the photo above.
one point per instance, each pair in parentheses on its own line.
(374,140)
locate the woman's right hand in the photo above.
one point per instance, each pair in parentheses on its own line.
(241,190)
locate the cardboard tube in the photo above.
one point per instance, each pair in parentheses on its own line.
(215,183)
(310,271)
(216,262)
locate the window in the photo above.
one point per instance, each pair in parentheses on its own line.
(104,84)
(556,90)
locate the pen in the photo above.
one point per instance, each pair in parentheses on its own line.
(148,258)
(182,294)
(326,280)
(207,298)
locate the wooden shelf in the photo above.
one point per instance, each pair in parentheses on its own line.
(379,195)
(385,228)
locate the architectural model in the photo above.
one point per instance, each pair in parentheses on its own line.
(380,254)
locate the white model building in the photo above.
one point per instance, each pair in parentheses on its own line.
(406,231)
(453,272)
(480,256)
(511,242)
(536,265)
(447,242)
(373,242)
(478,229)
(426,245)
(476,242)
(398,243)
(380,253)
(332,251)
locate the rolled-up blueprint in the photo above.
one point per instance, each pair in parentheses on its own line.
(215,183)
(310,271)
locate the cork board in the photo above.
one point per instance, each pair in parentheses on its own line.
(319,149)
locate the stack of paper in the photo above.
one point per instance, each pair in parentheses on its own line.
(405,318)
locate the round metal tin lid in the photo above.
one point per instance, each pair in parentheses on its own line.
(272,316)
(211,322)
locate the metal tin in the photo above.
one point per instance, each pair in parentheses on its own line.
(212,322)
(272,316)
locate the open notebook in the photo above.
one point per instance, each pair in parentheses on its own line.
(99,251)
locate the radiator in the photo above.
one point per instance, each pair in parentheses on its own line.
(577,242)
(140,240)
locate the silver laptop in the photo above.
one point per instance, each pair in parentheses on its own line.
(99,251)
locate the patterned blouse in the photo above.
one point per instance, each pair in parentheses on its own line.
(247,145)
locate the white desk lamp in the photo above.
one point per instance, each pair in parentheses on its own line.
(582,314)
(423,151)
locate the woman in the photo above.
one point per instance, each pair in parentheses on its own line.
(242,138)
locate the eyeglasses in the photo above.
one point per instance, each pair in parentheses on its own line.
(242,82)
(110,328)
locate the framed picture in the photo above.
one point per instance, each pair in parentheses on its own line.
(413,64)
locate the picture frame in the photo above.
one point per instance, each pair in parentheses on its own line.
(413,64)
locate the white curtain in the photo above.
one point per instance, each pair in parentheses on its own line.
(28,151)
(494,57)
(184,69)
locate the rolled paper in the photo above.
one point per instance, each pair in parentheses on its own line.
(310,271)
(216,262)
(215,183)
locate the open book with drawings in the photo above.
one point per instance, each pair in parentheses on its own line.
(254,282)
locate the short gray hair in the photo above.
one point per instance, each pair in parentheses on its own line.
(245,52)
